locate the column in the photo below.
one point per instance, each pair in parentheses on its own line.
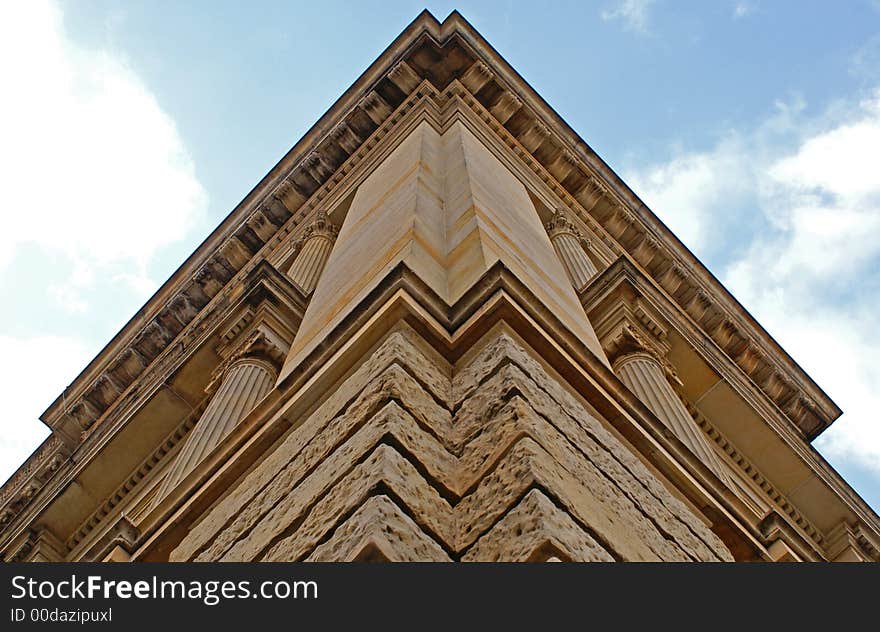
(645,376)
(566,240)
(317,242)
(244,382)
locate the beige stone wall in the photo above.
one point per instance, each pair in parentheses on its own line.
(411,458)
(449,209)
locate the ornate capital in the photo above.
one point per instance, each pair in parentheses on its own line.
(627,340)
(257,346)
(631,338)
(560,223)
(321,226)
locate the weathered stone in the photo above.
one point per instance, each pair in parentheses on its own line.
(510,382)
(379,526)
(517,419)
(530,530)
(316,469)
(504,350)
(385,469)
(397,347)
(527,466)
(508,434)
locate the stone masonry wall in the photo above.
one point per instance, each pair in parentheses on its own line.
(413,459)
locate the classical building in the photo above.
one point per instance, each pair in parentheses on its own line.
(441,328)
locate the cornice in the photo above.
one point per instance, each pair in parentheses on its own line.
(132,483)
(289,182)
(751,472)
(624,271)
(600,193)
(314,159)
(48,471)
(776,527)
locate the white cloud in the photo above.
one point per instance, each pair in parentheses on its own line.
(93,169)
(142,285)
(33,372)
(743,9)
(841,161)
(95,179)
(632,13)
(809,274)
(683,190)
(68,297)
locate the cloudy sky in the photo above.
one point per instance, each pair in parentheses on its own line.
(751,127)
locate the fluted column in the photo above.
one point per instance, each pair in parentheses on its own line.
(566,240)
(317,242)
(646,377)
(244,382)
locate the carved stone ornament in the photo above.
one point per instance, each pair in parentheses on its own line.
(628,340)
(321,226)
(257,346)
(561,223)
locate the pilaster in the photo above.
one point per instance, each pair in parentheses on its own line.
(568,243)
(314,250)
(635,338)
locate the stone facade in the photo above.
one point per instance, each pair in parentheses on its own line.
(457,456)
(440,329)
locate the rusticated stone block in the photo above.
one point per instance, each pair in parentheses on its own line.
(532,529)
(379,531)
(292,492)
(387,470)
(401,347)
(594,462)
(520,455)
(504,350)
(528,466)
(518,419)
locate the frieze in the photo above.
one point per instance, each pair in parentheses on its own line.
(45,461)
(755,475)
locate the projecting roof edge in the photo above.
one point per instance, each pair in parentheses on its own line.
(424,24)
(233,220)
(455,22)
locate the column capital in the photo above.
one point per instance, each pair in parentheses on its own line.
(627,322)
(260,348)
(561,223)
(629,341)
(626,341)
(570,246)
(320,226)
(311,251)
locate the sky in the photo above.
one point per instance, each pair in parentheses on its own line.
(129,130)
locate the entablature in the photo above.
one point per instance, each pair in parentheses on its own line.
(170,394)
(628,308)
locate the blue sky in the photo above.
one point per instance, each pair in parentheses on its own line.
(130,129)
